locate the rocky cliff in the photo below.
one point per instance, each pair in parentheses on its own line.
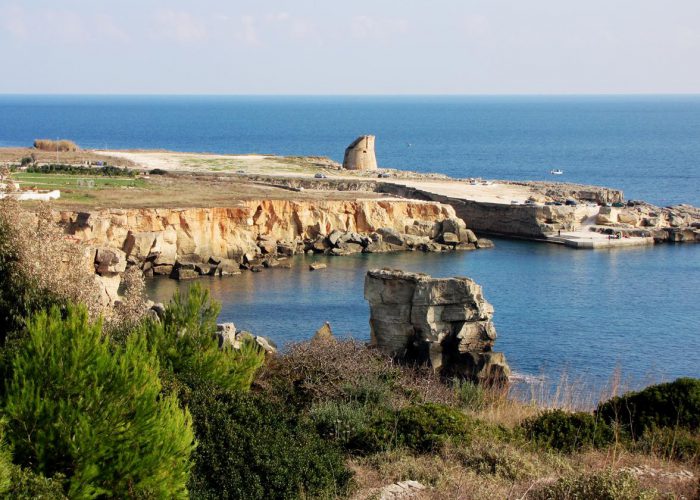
(157,239)
(445,322)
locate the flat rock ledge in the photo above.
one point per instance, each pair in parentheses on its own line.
(445,322)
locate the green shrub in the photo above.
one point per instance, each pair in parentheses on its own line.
(606,485)
(58,168)
(491,457)
(78,406)
(157,171)
(249,447)
(470,395)
(358,428)
(27,485)
(188,349)
(664,405)
(671,443)
(568,432)
(427,426)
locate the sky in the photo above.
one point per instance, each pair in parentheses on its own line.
(358,47)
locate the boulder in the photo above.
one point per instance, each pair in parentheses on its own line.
(266,345)
(423,228)
(316,266)
(267,246)
(163,270)
(185,270)
(484,243)
(226,334)
(324,333)
(286,248)
(469,236)
(110,260)
(320,244)
(444,322)
(628,218)
(227,267)
(334,237)
(159,309)
(453,225)
(391,236)
(449,238)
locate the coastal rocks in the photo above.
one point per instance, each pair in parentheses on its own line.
(676,224)
(445,322)
(109,264)
(360,154)
(254,228)
(229,336)
(253,235)
(401,490)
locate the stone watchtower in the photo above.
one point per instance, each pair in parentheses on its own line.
(360,154)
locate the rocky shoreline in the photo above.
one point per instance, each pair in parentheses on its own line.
(190,243)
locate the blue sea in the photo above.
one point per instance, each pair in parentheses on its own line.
(583,313)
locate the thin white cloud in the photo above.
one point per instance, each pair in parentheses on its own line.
(476,26)
(179,25)
(369,27)
(248,32)
(12,21)
(106,26)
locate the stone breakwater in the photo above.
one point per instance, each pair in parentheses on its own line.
(186,243)
(445,322)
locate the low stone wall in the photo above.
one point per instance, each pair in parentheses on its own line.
(445,322)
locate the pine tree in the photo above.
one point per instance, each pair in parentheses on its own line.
(94,412)
(188,348)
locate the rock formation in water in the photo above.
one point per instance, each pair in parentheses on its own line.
(445,322)
(360,154)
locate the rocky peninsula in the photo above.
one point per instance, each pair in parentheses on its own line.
(187,215)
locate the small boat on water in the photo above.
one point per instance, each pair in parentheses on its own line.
(556,171)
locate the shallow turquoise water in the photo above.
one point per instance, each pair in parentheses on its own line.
(586,313)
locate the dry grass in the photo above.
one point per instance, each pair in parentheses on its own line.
(58,145)
(487,470)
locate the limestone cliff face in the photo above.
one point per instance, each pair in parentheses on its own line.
(445,322)
(230,232)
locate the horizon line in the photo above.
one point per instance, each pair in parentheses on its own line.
(175,94)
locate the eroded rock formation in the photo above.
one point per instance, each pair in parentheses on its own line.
(187,243)
(360,154)
(443,321)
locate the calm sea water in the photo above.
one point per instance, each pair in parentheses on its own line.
(557,310)
(586,313)
(648,146)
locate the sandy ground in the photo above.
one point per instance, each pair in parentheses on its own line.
(206,162)
(493,193)
(283,167)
